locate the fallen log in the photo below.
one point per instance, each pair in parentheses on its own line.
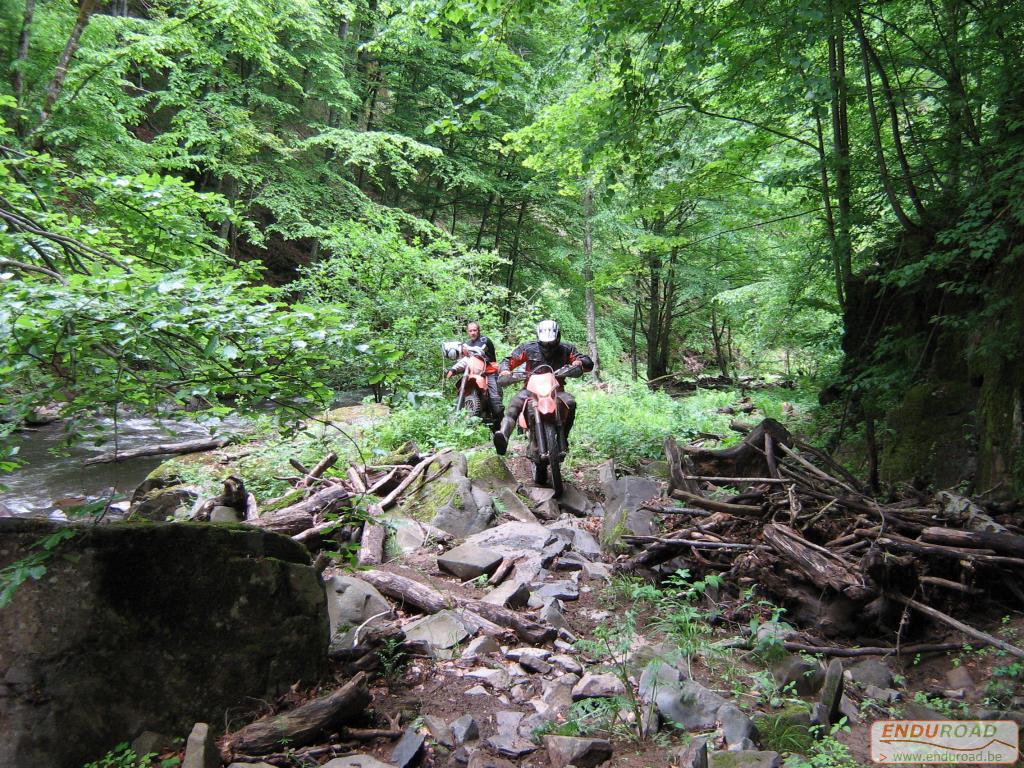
(298,517)
(302,725)
(163,449)
(895,541)
(747,458)
(716,506)
(429,600)
(383,485)
(820,566)
(392,497)
(371,545)
(967,629)
(316,472)
(1003,543)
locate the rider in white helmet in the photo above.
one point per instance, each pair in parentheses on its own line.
(564,359)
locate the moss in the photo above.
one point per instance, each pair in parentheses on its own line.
(425,503)
(293,496)
(488,470)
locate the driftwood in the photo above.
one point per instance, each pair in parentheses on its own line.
(746,459)
(429,600)
(967,629)
(1003,543)
(716,506)
(821,567)
(302,725)
(330,499)
(371,545)
(164,449)
(389,500)
(289,521)
(316,472)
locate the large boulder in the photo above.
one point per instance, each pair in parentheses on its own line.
(140,627)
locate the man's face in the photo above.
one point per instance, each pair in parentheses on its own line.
(474,331)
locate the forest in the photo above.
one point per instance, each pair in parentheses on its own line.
(805,212)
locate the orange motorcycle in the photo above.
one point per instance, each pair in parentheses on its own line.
(544,416)
(472,386)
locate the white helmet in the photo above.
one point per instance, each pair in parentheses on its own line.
(549,334)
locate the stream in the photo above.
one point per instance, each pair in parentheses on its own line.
(52,479)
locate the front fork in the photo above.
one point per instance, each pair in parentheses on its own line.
(540,438)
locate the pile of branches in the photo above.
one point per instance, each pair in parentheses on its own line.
(803,529)
(345,508)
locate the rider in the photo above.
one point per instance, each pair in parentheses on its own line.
(548,349)
(477,341)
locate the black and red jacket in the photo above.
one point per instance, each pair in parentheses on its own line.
(533,354)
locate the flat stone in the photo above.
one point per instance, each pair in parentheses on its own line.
(468,561)
(408,748)
(569,561)
(481,759)
(481,646)
(564,589)
(558,693)
(575,502)
(440,732)
(464,729)
(600,571)
(477,690)
(534,664)
(566,662)
(746,759)
(201,749)
(511,593)
(356,761)
(495,678)
(623,511)
(658,675)
(870,672)
(884,695)
(691,705)
(582,753)
(515,654)
(511,746)
(594,686)
(539,494)
(517,538)
(441,630)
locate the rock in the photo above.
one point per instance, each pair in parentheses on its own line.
(511,593)
(441,630)
(560,590)
(870,672)
(477,690)
(849,709)
(514,507)
(154,626)
(481,759)
(439,731)
(515,654)
(582,753)
(481,646)
(883,695)
(581,541)
(548,510)
(738,730)
(495,678)
(408,748)
(516,538)
(597,571)
(831,694)
(595,686)
(569,561)
(534,664)
(622,511)
(351,601)
(200,748)
(558,693)
(164,503)
(552,614)
(468,561)
(223,514)
(489,471)
(465,729)
(538,494)
(507,740)
(693,755)
(806,676)
(960,677)
(691,705)
(566,662)
(915,711)
(575,502)
(460,513)
(249,765)
(657,676)
(150,742)
(746,759)
(354,761)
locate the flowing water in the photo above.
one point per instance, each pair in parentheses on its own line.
(53,478)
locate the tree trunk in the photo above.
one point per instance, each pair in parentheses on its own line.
(840,138)
(17,69)
(56,85)
(588,279)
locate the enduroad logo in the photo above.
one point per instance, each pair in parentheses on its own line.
(944,741)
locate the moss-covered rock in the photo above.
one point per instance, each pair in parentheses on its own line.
(788,730)
(488,471)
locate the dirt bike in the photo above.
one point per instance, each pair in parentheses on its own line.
(472,387)
(543,417)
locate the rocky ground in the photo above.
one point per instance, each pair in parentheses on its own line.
(573,665)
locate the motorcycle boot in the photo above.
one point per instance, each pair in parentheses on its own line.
(502,435)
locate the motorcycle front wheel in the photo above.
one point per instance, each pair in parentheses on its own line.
(554,445)
(473,405)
